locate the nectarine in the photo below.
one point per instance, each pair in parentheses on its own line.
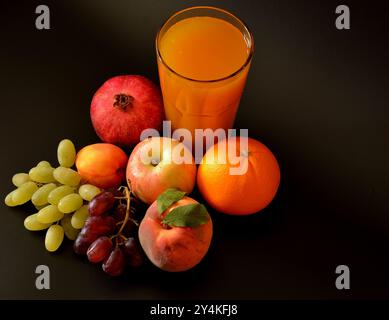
(102,164)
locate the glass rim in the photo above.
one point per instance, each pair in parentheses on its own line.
(245,64)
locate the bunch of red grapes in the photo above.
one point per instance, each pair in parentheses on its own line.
(109,235)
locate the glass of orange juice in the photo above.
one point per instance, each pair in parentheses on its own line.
(204,55)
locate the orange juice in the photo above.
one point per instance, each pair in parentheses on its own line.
(204,48)
(203,64)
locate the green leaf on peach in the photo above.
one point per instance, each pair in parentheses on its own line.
(168,197)
(191,215)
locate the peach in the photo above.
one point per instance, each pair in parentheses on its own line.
(102,164)
(173,248)
(159,163)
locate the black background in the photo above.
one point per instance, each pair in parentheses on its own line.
(316,96)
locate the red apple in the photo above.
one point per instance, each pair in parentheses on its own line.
(153,168)
(173,248)
(123,107)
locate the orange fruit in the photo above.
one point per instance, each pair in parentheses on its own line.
(238,176)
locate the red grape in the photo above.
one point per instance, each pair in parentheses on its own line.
(103,221)
(114,265)
(101,203)
(100,249)
(120,212)
(94,227)
(83,241)
(100,225)
(116,192)
(132,251)
(129,229)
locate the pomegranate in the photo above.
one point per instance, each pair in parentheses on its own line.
(123,107)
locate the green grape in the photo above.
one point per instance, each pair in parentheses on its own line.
(54,237)
(67,176)
(70,232)
(70,203)
(24,193)
(41,207)
(88,191)
(8,200)
(49,214)
(44,164)
(39,198)
(58,193)
(20,178)
(42,174)
(79,217)
(66,153)
(31,223)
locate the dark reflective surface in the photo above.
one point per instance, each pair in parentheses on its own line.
(318,97)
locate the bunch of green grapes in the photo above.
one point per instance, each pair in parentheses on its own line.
(61,201)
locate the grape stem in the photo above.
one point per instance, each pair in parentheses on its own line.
(123,237)
(127,195)
(129,219)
